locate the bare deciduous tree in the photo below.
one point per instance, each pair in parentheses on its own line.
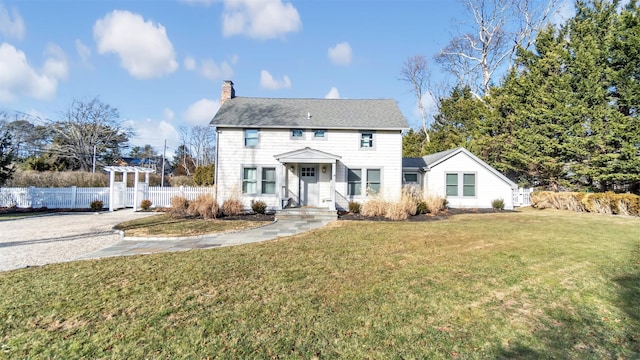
(497,28)
(88,128)
(199,143)
(415,72)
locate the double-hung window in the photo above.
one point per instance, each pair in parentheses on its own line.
(268,180)
(251,137)
(366,140)
(250,180)
(354,182)
(264,184)
(467,187)
(373,181)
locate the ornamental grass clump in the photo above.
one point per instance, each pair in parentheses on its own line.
(601,203)
(232,206)
(204,206)
(374,207)
(179,207)
(434,203)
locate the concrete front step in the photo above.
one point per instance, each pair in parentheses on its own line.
(306,213)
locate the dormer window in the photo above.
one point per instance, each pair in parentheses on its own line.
(319,134)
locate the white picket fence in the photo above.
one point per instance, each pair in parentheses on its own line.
(80,198)
(522,197)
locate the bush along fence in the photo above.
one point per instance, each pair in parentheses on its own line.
(603,203)
(81,198)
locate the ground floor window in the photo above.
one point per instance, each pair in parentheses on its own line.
(410,178)
(373,181)
(466,188)
(258,180)
(268,180)
(354,182)
(249,180)
(370,178)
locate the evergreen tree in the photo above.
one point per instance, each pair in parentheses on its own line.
(6,158)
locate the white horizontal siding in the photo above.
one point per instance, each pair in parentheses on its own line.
(233,155)
(488,186)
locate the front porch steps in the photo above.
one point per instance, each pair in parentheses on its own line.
(307,213)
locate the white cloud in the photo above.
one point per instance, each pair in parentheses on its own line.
(265,19)
(201,112)
(333,94)
(169,114)
(189,63)
(20,78)
(340,54)
(144,49)
(11,25)
(154,133)
(212,71)
(209,68)
(268,82)
(83,51)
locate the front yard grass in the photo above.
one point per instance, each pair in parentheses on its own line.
(528,285)
(164,225)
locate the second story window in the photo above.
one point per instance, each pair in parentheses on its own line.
(319,134)
(251,137)
(366,140)
(297,133)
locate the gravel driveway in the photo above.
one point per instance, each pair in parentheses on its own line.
(59,237)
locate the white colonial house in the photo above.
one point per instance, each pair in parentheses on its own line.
(464,179)
(307,152)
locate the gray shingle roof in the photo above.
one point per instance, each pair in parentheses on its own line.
(433,159)
(413,163)
(324,113)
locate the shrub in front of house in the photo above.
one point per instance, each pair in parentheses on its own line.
(354,207)
(96,205)
(374,207)
(204,206)
(434,203)
(145,204)
(258,206)
(232,207)
(179,207)
(497,204)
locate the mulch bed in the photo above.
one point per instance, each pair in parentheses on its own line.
(342,215)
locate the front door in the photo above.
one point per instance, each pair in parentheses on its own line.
(309,194)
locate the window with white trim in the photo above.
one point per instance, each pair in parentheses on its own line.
(319,134)
(250,180)
(251,137)
(410,178)
(373,181)
(366,140)
(268,180)
(297,134)
(354,182)
(461,184)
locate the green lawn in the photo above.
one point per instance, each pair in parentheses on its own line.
(529,285)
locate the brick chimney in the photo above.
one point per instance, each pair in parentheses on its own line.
(228,92)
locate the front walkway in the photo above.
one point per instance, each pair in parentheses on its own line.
(136,246)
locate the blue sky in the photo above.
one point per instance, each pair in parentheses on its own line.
(162,63)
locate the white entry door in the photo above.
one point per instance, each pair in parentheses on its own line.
(309,188)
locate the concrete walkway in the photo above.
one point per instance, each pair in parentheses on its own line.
(136,246)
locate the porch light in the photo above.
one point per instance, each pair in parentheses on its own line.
(324,169)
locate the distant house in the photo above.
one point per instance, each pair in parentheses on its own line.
(307,152)
(465,180)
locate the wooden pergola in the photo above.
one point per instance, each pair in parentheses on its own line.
(125,170)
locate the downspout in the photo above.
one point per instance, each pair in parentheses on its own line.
(215,175)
